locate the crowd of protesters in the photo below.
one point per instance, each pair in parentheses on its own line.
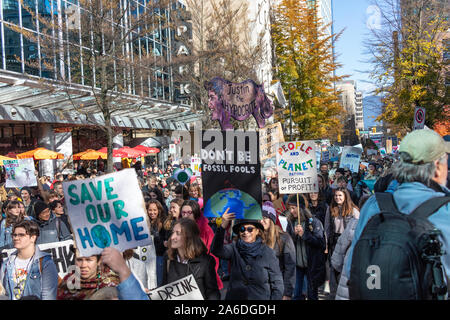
(303,258)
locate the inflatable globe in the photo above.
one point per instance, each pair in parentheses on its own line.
(243,205)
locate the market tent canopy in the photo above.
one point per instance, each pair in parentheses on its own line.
(116,153)
(132,153)
(89,154)
(4,158)
(147,149)
(41,154)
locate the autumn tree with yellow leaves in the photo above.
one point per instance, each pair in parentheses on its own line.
(407,59)
(305,66)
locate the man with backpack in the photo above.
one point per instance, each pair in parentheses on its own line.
(409,218)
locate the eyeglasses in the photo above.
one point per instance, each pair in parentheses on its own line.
(18,235)
(248,229)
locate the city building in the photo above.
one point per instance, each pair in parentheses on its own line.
(347,98)
(33,115)
(359,111)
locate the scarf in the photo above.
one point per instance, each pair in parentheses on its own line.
(249,250)
(87,287)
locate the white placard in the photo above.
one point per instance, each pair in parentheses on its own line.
(20,173)
(183,289)
(196,165)
(350,158)
(107,211)
(297,167)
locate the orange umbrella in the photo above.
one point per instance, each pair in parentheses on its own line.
(89,154)
(5,158)
(41,154)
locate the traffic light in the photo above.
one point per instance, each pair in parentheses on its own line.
(339,138)
(374,130)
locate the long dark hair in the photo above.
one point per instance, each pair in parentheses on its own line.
(347,206)
(161,213)
(195,208)
(193,244)
(11,219)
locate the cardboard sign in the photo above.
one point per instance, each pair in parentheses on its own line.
(389,146)
(231,174)
(297,167)
(269,137)
(61,254)
(20,173)
(107,211)
(183,289)
(350,158)
(196,166)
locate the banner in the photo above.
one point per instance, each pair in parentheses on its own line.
(196,166)
(20,173)
(231,174)
(350,158)
(269,137)
(389,146)
(183,289)
(62,256)
(297,167)
(334,153)
(107,211)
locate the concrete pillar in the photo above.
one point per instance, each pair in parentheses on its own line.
(117,144)
(46,140)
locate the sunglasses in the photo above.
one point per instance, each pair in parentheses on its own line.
(248,229)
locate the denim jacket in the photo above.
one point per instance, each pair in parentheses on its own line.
(40,283)
(5,236)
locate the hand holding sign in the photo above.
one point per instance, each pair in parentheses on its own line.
(114,259)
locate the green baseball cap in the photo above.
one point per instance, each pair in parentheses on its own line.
(424,146)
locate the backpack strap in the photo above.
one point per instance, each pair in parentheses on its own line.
(429,207)
(386,202)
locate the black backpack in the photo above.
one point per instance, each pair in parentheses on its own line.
(398,256)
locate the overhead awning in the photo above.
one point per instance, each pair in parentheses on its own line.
(28,100)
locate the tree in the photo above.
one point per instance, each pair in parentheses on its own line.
(99,51)
(221,46)
(406,56)
(305,64)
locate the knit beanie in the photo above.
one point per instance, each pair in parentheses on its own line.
(268,211)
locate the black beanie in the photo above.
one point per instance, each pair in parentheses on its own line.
(39,206)
(293,201)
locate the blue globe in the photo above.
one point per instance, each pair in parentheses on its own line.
(243,205)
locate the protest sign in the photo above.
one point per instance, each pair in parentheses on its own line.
(183,289)
(383,152)
(350,158)
(20,173)
(196,164)
(297,167)
(371,152)
(325,156)
(231,174)
(334,153)
(62,256)
(389,146)
(269,137)
(107,211)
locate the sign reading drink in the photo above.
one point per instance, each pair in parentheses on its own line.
(297,167)
(107,211)
(20,173)
(183,289)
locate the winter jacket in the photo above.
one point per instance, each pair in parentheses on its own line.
(203,270)
(41,282)
(52,230)
(407,197)
(130,289)
(330,227)
(6,241)
(315,248)
(259,280)
(286,258)
(339,256)
(320,211)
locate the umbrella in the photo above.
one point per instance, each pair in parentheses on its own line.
(40,154)
(89,154)
(116,153)
(146,149)
(5,158)
(132,153)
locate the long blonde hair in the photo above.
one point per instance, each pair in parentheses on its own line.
(272,235)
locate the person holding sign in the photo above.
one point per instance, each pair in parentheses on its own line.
(91,278)
(308,235)
(28,271)
(255,272)
(187,254)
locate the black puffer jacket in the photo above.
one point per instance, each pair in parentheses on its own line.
(203,270)
(261,279)
(286,257)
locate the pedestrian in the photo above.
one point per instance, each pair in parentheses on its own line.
(92,278)
(57,209)
(421,174)
(339,214)
(13,216)
(157,216)
(282,245)
(195,193)
(317,205)
(174,215)
(255,272)
(28,201)
(28,271)
(187,254)
(325,191)
(190,209)
(51,228)
(308,236)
